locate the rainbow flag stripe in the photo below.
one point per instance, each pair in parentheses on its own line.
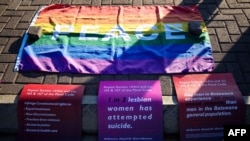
(116,40)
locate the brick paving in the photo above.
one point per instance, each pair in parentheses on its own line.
(227,21)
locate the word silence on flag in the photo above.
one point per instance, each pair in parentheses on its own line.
(116,39)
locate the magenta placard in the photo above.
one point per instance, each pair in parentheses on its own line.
(207,102)
(50,112)
(130,110)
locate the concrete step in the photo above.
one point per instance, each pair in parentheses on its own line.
(9,124)
(88,137)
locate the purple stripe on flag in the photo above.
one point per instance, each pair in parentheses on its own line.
(97,66)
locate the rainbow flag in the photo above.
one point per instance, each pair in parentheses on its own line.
(116,40)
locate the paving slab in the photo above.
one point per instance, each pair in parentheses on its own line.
(228,22)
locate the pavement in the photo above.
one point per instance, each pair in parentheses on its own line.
(227,21)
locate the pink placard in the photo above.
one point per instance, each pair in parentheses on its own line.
(50,112)
(130,110)
(207,102)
